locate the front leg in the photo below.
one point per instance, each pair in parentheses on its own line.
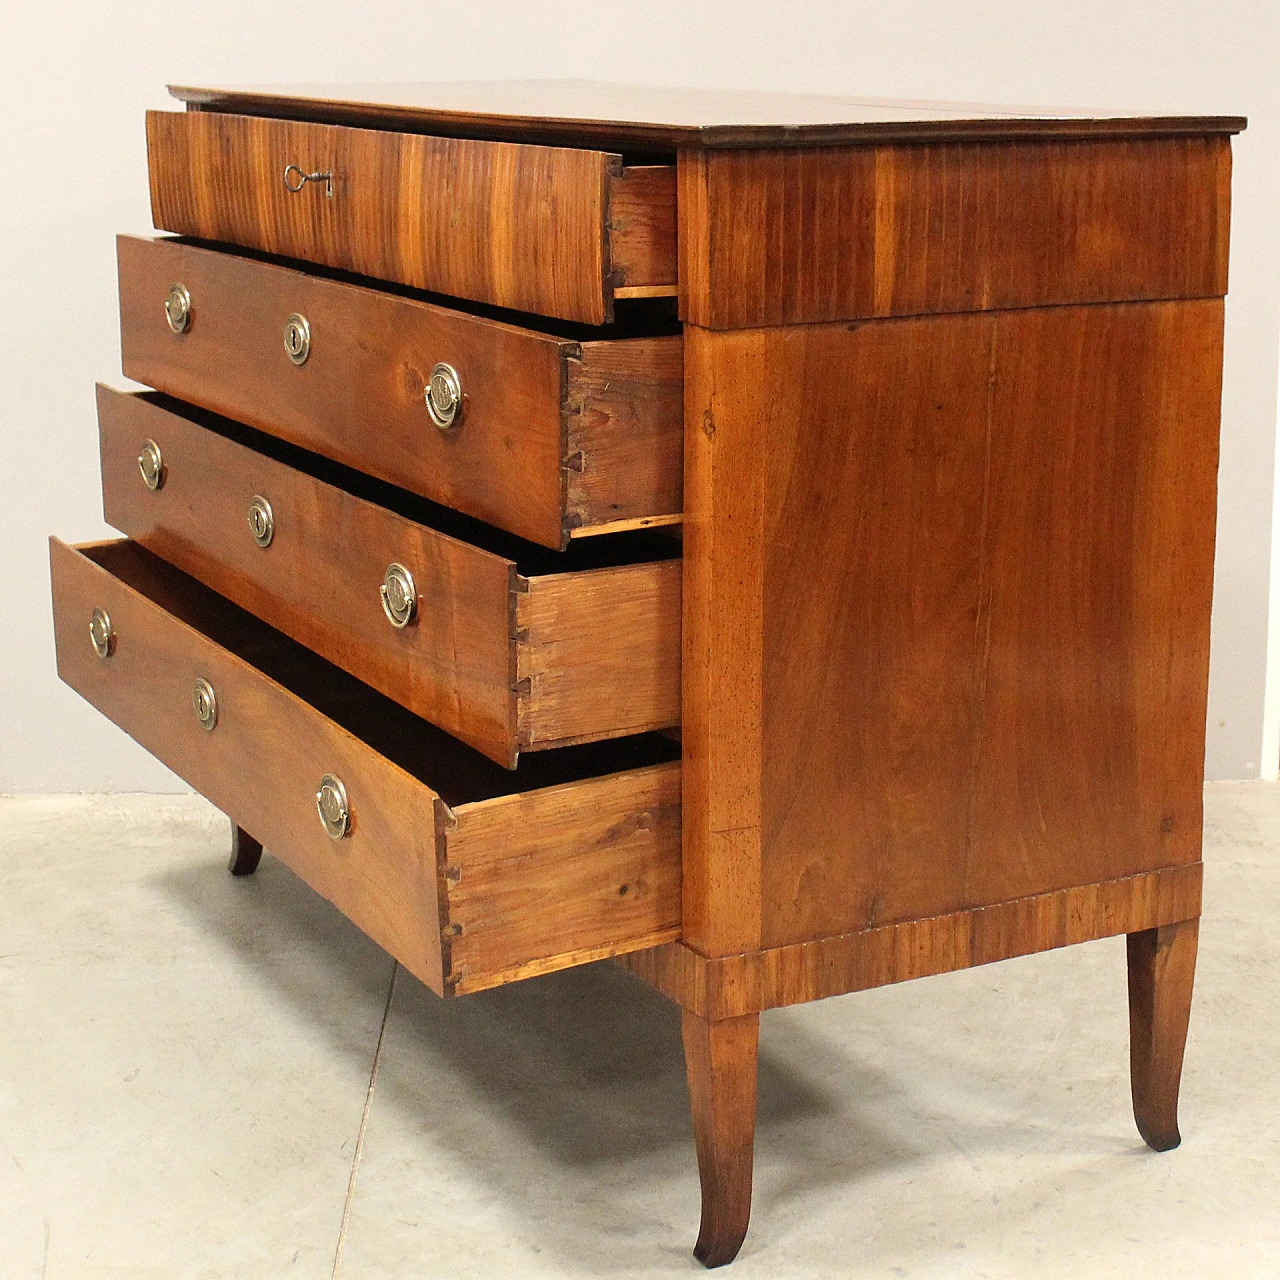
(1162,968)
(720,1058)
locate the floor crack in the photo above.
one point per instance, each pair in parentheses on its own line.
(364,1124)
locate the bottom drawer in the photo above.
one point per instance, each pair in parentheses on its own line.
(469,874)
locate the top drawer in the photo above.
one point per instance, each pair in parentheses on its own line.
(552,230)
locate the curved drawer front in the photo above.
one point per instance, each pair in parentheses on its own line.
(469,875)
(551,230)
(555,439)
(503,660)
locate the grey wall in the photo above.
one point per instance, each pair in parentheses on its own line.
(75,78)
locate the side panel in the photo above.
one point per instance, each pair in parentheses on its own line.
(1098,586)
(642,229)
(985,548)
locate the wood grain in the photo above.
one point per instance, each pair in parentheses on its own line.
(500,882)
(722,666)
(642,229)
(624,416)
(798,236)
(874,530)
(598,654)
(263,762)
(1162,968)
(720,1060)
(504,662)
(515,225)
(951,380)
(729,986)
(1097,590)
(595,113)
(556,437)
(1020,709)
(646,291)
(597,860)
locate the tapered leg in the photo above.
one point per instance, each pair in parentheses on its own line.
(1162,968)
(720,1058)
(246,853)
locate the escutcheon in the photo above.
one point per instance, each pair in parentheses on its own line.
(262,521)
(297,338)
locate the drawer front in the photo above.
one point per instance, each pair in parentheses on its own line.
(466,895)
(503,662)
(556,439)
(515,225)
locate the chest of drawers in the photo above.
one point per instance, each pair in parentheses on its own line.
(765,540)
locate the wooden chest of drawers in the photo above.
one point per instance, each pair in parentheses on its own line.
(766,540)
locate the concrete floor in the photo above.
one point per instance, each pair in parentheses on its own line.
(203,1077)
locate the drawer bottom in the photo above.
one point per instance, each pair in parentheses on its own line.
(470,874)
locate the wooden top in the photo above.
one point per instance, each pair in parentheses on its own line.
(590,113)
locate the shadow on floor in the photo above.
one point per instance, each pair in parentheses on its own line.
(585,1067)
(581,1032)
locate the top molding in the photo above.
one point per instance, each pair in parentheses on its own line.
(592,113)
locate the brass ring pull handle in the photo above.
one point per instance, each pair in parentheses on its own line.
(295,179)
(151,464)
(333,807)
(101,633)
(443,394)
(399,596)
(177,307)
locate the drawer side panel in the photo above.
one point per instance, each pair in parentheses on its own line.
(642,228)
(557,877)
(598,654)
(625,415)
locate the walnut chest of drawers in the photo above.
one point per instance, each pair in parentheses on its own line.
(768,540)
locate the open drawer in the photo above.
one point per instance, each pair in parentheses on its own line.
(551,436)
(469,874)
(502,643)
(558,231)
